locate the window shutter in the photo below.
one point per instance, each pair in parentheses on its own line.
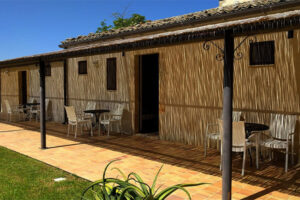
(111,71)
(262,53)
(82,67)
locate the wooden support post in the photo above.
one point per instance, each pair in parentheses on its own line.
(42,105)
(227,115)
(0,94)
(65,88)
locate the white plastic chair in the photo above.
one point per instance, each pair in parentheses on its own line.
(282,131)
(113,117)
(90,106)
(37,111)
(213,132)
(17,110)
(239,141)
(73,120)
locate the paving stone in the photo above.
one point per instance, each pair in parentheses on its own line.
(87,156)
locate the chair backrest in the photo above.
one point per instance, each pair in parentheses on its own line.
(91,105)
(236,116)
(8,108)
(71,113)
(282,125)
(118,111)
(238,133)
(47,104)
(31,100)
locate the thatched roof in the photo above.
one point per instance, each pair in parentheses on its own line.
(273,22)
(182,20)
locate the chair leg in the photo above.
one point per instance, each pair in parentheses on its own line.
(205,143)
(244,160)
(286,159)
(221,157)
(81,125)
(99,129)
(68,129)
(91,129)
(292,151)
(119,127)
(108,130)
(76,128)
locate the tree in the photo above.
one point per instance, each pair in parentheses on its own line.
(120,22)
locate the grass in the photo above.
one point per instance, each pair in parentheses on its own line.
(23,178)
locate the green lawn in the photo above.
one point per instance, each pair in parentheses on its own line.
(23,178)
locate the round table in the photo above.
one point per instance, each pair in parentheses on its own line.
(255,128)
(96,113)
(32,104)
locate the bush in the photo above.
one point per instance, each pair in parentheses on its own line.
(132,187)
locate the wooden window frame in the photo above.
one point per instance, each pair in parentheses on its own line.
(80,70)
(111,85)
(263,60)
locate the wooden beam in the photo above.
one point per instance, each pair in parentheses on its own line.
(227,115)
(0,94)
(42,105)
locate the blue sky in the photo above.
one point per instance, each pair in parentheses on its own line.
(29,27)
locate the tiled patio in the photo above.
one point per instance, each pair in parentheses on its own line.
(87,157)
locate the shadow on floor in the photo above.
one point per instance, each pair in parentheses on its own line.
(271,175)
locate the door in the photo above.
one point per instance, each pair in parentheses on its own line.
(148,93)
(22,87)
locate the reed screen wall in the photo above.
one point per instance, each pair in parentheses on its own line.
(190,86)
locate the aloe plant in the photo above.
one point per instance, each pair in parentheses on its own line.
(131,187)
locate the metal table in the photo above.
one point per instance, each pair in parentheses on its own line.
(31,104)
(255,128)
(96,113)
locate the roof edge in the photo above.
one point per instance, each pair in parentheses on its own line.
(246,11)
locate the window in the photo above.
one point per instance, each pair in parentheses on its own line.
(48,70)
(262,53)
(111,73)
(82,67)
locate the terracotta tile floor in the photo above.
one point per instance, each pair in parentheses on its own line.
(87,157)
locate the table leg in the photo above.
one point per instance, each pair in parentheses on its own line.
(257,149)
(250,156)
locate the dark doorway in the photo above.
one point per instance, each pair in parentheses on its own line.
(22,87)
(148,93)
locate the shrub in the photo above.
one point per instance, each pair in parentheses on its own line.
(131,187)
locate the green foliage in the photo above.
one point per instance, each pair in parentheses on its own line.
(103,27)
(131,187)
(120,22)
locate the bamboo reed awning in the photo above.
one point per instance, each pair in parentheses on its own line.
(265,23)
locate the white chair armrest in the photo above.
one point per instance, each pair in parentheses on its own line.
(210,126)
(251,138)
(293,133)
(105,116)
